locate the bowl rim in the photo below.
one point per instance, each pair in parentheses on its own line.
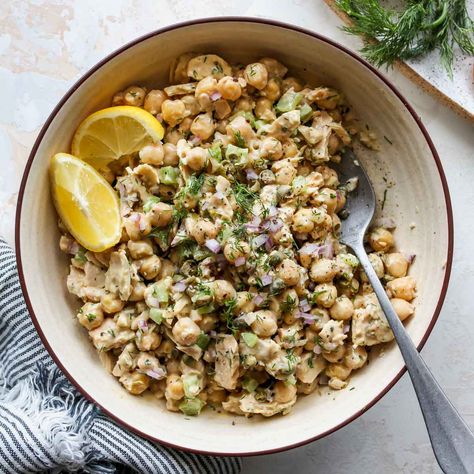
(242,19)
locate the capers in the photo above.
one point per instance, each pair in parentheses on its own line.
(277,286)
(267,177)
(275,258)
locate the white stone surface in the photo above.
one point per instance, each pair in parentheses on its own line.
(46,44)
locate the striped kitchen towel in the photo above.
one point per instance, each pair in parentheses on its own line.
(47,426)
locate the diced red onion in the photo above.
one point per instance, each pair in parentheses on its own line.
(213,333)
(247,318)
(159,117)
(266,279)
(251,174)
(215,96)
(213,245)
(260,240)
(135,217)
(323,380)
(156,374)
(346,328)
(179,287)
(385,222)
(239,261)
(205,205)
(326,250)
(272,211)
(73,248)
(308,318)
(155,303)
(142,325)
(304,305)
(410,257)
(273,225)
(269,244)
(142,223)
(317,349)
(219,195)
(258,300)
(311,285)
(310,249)
(194,139)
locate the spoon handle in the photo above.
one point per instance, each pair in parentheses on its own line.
(451,439)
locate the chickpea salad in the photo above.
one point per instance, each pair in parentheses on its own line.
(226,285)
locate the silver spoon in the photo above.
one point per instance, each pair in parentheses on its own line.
(451,439)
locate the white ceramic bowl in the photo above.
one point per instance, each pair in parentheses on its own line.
(419,196)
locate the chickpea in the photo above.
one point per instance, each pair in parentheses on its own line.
(223,291)
(381,240)
(402,308)
(288,271)
(152,154)
(355,357)
(337,384)
(271,149)
(265,324)
(196,158)
(207,86)
(328,198)
(167,269)
(329,175)
(138,291)
(150,267)
(160,214)
(396,264)
(185,126)
(173,111)
(325,294)
(186,331)
(229,89)
(191,102)
(222,110)
(334,144)
(335,356)
(140,248)
(118,99)
(111,303)
(291,82)
(173,366)
(274,68)
(256,75)
(148,341)
(244,302)
(134,95)
(173,135)
(202,230)
(203,126)
(207,323)
(339,371)
(303,221)
(286,174)
(165,349)
(342,309)
(264,110)
(272,90)
(153,101)
(321,317)
(284,392)
(290,148)
(234,249)
(323,270)
(91,316)
(174,387)
(341,201)
(135,382)
(170,157)
(403,288)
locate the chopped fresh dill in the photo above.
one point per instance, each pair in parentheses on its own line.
(244,197)
(384,200)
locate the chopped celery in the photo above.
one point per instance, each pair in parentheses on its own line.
(291,380)
(200,253)
(203,341)
(249,384)
(81,256)
(250,338)
(249,116)
(350,259)
(305,113)
(150,203)
(169,175)
(191,406)
(161,293)
(208,308)
(215,151)
(157,315)
(233,152)
(191,385)
(288,101)
(258,124)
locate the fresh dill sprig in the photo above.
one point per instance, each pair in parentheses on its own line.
(244,197)
(423,26)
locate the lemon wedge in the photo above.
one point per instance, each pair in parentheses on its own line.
(108,134)
(85,201)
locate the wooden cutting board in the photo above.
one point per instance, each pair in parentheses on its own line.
(458,93)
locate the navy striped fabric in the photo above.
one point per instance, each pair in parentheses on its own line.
(47,426)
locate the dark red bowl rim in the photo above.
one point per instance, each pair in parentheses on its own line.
(245,20)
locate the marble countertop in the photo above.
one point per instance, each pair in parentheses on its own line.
(45,45)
